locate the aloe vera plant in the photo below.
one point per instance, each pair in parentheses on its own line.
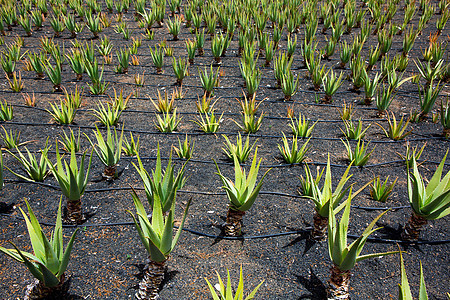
(324,198)
(185,149)
(427,203)
(49,260)
(108,150)
(427,98)
(293,154)
(208,80)
(300,127)
(380,191)
(225,293)
(396,131)
(168,122)
(72,181)
(35,169)
(157,55)
(6,111)
(209,123)
(64,113)
(359,156)
(241,193)
(107,116)
(353,132)
(331,84)
(180,68)
(157,237)
(343,256)
(239,150)
(162,184)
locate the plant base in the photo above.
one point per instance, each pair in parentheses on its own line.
(412,228)
(153,277)
(327,99)
(446,132)
(338,284)
(319,227)
(381,114)
(37,290)
(74,212)
(110,173)
(233,225)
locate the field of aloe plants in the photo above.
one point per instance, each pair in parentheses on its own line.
(202,149)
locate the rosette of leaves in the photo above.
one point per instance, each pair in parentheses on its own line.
(161,184)
(343,256)
(428,203)
(241,193)
(157,237)
(108,151)
(324,198)
(72,181)
(35,169)
(49,260)
(225,293)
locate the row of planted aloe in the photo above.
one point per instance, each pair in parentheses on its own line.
(254,40)
(380,89)
(259,31)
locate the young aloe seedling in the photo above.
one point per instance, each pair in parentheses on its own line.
(353,132)
(158,58)
(209,81)
(64,113)
(380,191)
(359,156)
(185,149)
(239,150)
(241,194)
(131,148)
(209,123)
(331,84)
(174,27)
(427,98)
(49,259)
(16,83)
(347,112)
(384,99)
(294,154)
(107,116)
(396,131)
(370,87)
(35,170)
(226,292)
(324,198)
(204,104)
(168,122)
(180,68)
(108,150)
(162,103)
(300,127)
(6,111)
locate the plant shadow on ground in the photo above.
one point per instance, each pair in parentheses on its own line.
(314,285)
